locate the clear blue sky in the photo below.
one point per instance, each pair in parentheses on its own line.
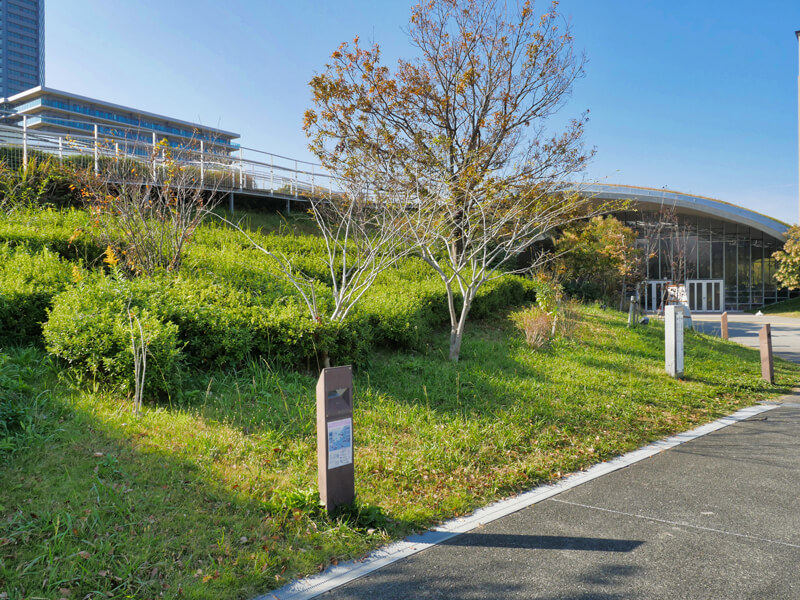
(697,96)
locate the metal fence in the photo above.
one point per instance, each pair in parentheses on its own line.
(246,170)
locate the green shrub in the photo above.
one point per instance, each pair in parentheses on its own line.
(287,337)
(28,282)
(500,294)
(400,312)
(42,182)
(216,323)
(66,232)
(409,301)
(89,328)
(11,156)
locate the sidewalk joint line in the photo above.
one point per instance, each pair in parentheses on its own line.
(678,523)
(343,573)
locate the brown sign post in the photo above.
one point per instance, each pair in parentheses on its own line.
(765,341)
(335,471)
(724,325)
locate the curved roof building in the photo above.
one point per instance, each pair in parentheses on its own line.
(720,251)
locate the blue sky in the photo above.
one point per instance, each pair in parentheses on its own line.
(697,96)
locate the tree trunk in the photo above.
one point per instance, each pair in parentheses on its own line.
(457,332)
(326,360)
(455,343)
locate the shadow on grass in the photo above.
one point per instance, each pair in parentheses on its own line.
(100,511)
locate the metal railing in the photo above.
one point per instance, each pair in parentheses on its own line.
(246,170)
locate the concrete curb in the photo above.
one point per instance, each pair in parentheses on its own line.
(336,576)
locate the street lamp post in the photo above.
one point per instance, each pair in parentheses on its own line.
(797,33)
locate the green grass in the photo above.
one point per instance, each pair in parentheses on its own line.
(213,495)
(785,308)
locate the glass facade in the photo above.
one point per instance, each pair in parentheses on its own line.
(711,257)
(21,45)
(139,122)
(59,112)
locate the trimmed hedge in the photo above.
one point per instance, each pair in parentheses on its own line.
(28,283)
(66,232)
(89,328)
(228,304)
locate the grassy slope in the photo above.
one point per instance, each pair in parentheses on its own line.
(213,497)
(785,308)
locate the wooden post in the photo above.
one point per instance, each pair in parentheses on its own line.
(724,325)
(335,472)
(765,341)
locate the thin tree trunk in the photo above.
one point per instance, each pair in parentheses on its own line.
(455,344)
(457,332)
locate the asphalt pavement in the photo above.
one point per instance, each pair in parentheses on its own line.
(713,517)
(743,329)
(716,517)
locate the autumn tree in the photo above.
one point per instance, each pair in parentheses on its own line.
(360,242)
(148,211)
(788,273)
(598,257)
(456,137)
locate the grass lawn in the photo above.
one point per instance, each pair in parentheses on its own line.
(212,495)
(785,308)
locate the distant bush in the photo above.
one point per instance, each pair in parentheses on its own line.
(407,302)
(500,294)
(89,328)
(28,283)
(65,232)
(535,324)
(12,156)
(401,312)
(42,182)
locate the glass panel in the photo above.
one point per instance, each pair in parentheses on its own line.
(703,228)
(744,271)
(690,250)
(770,285)
(652,264)
(704,259)
(717,260)
(730,264)
(666,259)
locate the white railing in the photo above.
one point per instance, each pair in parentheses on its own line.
(244,170)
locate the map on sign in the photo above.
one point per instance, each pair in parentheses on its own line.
(340,443)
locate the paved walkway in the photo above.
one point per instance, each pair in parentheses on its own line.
(716,517)
(743,329)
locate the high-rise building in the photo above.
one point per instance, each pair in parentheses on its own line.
(21,45)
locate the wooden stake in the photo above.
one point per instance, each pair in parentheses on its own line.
(767,367)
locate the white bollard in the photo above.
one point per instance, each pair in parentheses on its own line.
(673,340)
